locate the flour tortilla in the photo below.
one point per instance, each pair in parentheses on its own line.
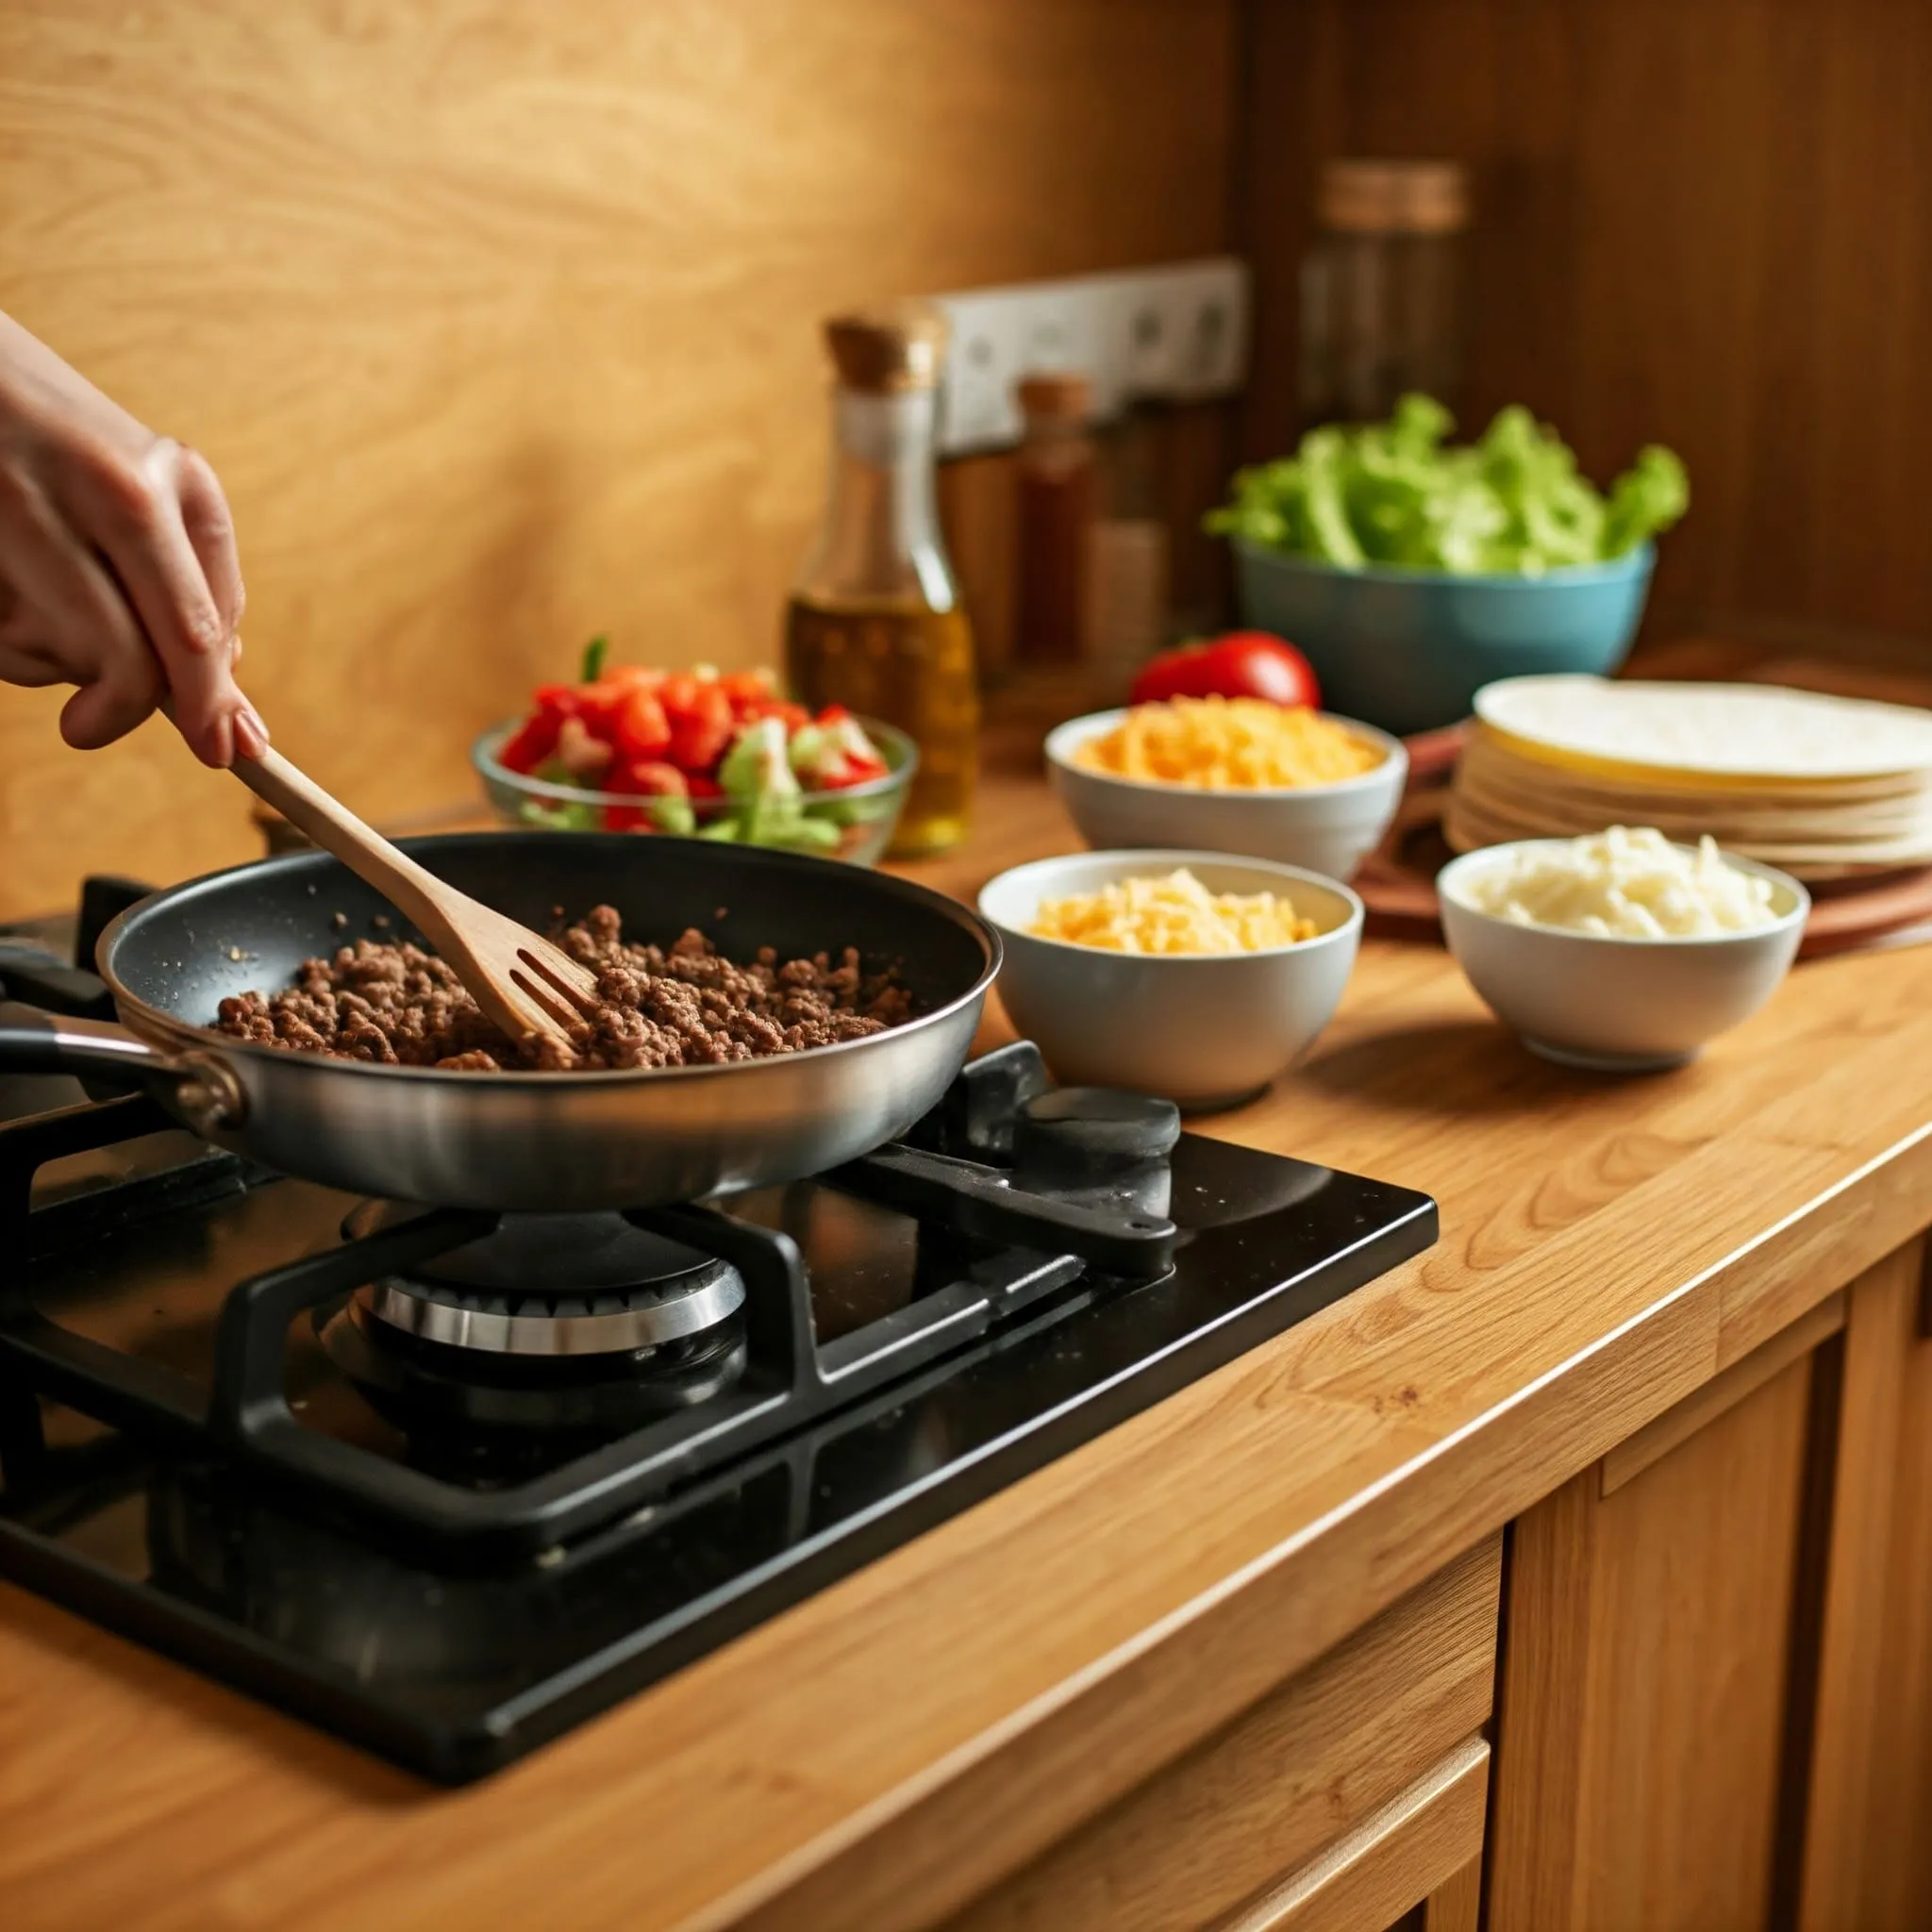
(1762,732)
(1822,813)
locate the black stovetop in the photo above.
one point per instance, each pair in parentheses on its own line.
(450,1558)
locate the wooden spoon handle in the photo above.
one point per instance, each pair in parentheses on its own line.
(336,829)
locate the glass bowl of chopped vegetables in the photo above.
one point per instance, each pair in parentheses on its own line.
(698,754)
(1410,573)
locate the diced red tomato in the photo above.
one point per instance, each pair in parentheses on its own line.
(747,690)
(641,730)
(701,725)
(599,704)
(649,779)
(679,694)
(623,817)
(637,677)
(632,728)
(530,743)
(853,771)
(795,717)
(535,739)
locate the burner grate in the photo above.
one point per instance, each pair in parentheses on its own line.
(788,1379)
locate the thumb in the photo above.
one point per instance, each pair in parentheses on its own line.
(114,704)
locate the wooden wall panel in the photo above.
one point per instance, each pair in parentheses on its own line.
(1700,222)
(499,320)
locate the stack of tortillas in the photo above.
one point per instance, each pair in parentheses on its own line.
(1823,787)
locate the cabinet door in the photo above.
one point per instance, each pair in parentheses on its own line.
(1646,1658)
(1868,1849)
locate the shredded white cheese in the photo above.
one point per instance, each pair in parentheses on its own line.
(1625,883)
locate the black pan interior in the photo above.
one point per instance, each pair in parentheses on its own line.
(186,950)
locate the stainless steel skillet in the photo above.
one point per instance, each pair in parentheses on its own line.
(529,1141)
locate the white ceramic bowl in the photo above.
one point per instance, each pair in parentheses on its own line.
(1609,1003)
(1206,1030)
(1328,828)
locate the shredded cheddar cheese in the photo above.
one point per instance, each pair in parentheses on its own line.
(1173,914)
(1227,744)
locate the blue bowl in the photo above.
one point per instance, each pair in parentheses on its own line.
(1408,649)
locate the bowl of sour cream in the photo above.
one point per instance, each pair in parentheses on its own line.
(1622,951)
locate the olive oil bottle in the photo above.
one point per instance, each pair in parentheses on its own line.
(875,623)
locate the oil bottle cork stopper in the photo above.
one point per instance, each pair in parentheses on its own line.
(897,346)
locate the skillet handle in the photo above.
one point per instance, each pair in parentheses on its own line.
(205,1091)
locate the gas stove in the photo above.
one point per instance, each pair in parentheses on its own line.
(448,1483)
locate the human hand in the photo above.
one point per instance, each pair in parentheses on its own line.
(118,570)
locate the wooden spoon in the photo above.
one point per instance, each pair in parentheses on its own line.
(520,980)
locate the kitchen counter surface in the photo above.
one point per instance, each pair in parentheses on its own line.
(1607,1246)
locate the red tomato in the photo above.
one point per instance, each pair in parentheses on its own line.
(747,690)
(623,817)
(530,743)
(635,676)
(700,729)
(1242,664)
(649,779)
(535,739)
(641,730)
(679,694)
(795,717)
(854,772)
(599,704)
(702,787)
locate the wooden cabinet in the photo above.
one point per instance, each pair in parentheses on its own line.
(1867,1863)
(1339,1801)
(1716,1705)
(1709,1708)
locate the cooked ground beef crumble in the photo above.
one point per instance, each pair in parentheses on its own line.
(394,1004)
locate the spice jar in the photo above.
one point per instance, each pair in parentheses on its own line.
(1129,555)
(1055,488)
(1382,288)
(874,622)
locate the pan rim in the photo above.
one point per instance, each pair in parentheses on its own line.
(160,1027)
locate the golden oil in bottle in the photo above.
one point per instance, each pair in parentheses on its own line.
(874,622)
(913,667)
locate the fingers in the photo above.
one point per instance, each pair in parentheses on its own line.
(70,622)
(210,532)
(135,514)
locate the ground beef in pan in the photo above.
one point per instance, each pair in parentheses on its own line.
(395,1004)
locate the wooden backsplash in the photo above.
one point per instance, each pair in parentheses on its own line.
(1707,222)
(499,320)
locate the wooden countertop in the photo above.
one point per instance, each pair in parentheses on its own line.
(1607,1246)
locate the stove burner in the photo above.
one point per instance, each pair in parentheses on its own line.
(551,1285)
(462,1408)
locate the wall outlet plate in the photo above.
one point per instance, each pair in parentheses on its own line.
(1180,333)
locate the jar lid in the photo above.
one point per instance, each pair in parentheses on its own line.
(899,345)
(1055,395)
(1361,197)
